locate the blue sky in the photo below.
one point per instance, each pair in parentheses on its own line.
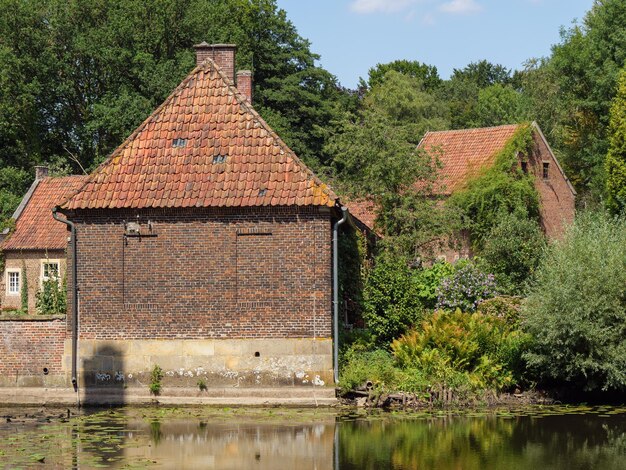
(354,35)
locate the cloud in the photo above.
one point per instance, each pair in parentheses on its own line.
(460,7)
(382,6)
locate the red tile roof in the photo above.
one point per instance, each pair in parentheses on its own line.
(364,210)
(226,156)
(35,229)
(463,153)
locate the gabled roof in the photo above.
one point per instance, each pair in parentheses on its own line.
(463,153)
(205,146)
(35,229)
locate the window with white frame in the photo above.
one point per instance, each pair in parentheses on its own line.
(50,269)
(14,281)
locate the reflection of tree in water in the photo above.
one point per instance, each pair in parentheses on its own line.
(155,432)
(559,442)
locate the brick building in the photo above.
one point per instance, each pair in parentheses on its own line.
(35,250)
(204,247)
(465,153)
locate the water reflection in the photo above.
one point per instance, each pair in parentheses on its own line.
(541,438)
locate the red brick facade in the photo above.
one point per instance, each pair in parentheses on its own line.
(205,273)
(27,346)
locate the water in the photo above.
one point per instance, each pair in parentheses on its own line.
(535,438)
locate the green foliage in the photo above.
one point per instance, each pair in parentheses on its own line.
(505,307)
(353,265)
(616,158)
(497,105)
(377,157)
(457,347)
(202,384)
(427,74)
(13,184)
(483,74)
(576,311)
(499,189)
(428,280)
(156,375)
(391,300)
(77,77)
(466,288)
(24,289)
(512,251)
(51,299)
(360,366)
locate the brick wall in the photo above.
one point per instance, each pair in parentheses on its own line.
(557,200)
(29,346)
(32,260)
(202,273)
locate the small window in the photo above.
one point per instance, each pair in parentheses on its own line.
(14,281)
(546,170)
(219,159)
(50,270)
(524,167)
(179,143)
(262,192)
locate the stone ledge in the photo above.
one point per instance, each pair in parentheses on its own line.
(6,317)
(286,396)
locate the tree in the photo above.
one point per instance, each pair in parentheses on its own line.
(576,310)
(587,63)
(616,157)
(377,157)
(427,74)
(497,105)
(483,74)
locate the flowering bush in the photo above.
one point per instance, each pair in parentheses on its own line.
(466,288)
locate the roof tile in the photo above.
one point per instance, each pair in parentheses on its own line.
(213,120)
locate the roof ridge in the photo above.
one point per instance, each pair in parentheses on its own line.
(470,129)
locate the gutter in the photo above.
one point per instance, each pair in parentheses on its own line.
(72,227)
(344,211)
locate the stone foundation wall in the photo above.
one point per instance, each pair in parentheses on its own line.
(218,363)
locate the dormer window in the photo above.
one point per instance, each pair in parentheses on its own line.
(176,143)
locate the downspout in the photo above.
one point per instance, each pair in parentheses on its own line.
(344,211)
(74,295)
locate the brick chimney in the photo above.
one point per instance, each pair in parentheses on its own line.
(41,172)
(222,54)
(244,84)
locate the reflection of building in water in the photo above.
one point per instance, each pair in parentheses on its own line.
(196,444)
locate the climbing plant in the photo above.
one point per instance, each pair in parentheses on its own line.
(24,289)
(502,188)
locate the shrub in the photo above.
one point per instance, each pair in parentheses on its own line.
(428,280)
(513,250)
(457,348)
(51,299)
(360,366)
(155,380)
(576,310)
(24,289)
(391,300)
(466,288)
(506,307)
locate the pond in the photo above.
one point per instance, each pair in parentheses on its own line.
(546,437)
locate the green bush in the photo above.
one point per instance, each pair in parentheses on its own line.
(576,311)
(360,366)
(506,307)
(466,288)
(458,348)
(156,375)
(51,299)
(391,300)
(512,251)
(428,280)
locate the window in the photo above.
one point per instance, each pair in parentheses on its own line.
(546,170)
(219,158)
(13,281)
(524,167)
(176,143)
(49,270)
